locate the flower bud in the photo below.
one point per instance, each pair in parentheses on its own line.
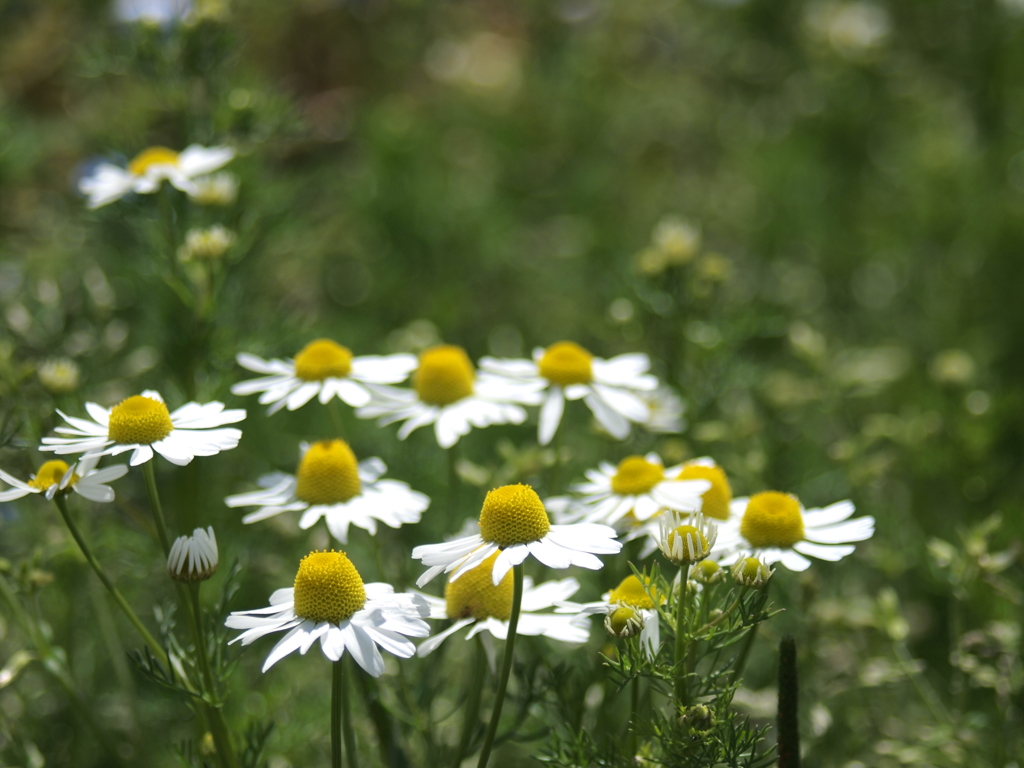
(624,622)
(751,572)
(697,719)
(195,557)
(707,572)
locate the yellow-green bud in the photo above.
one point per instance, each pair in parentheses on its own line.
(707,572)
(751,572)
(624,622)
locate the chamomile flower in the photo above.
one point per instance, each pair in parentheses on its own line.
(776,528)
(194,558)
(448,393)
(147,171)
(474,601)
(514,524)
(331,484)
(324,369)
(330,603)
(142,424)
(613,389)
(631,594)
(639,486)
(715,502)
(58,477)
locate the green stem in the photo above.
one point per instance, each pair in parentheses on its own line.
(471,713)
(506,666)
(453,479)
(634,712)
(154,502)
(218,727)
(725,614)
(337,683)
(114,593)
(346,716)
(681,688)
(337,422)
(748,643)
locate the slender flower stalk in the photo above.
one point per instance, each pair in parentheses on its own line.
(471,711)
(154,646)
(346,714)
(506,666)
(337,685)
(158,510)
(682,693)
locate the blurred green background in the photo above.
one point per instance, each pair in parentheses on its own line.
(840,185)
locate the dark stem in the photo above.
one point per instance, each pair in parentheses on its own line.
(506,667)
(788,723)
(346,717)
(337,683)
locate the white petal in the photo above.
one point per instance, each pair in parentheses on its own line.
(616,424)
(830,552)
(363,649)
(860,529)
(431,643)
(550,415)
(290,642)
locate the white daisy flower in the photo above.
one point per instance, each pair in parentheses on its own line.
(776,528)
(330,603)
(329,483)
(147,171)
(323,369)
(613,389)
(57,477)
(630,593)
(639,486)
(448,393)
(142,424)
(474,601)
(714,502)
(514,524)
(195,557)
(667,409)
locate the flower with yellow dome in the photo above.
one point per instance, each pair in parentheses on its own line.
(639,486)
(474,601)
(323,369)
(142,424)
(144,175)
(630,594)
(614,389)
(57,476)
(330,602)
(776,528)
(449,393)
(330,483)
(514,524)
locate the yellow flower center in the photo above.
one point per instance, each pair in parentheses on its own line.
(715,501)
(328,474)
(328,588)
(631,592)
(636,475)
(51,473)
(322,359)
(566,363)
(139,420)
(513,514)
(147,158)
(707,572)
(623,621)
(773,519)
(751,572)
(444,376)
(473,594)
(694,543)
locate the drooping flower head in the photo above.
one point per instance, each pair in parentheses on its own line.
(194,558)
(449,393)
(324,369)
(514,524)
(330,483)
(142,424)
(613,389)
(330,602)
(475,601)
